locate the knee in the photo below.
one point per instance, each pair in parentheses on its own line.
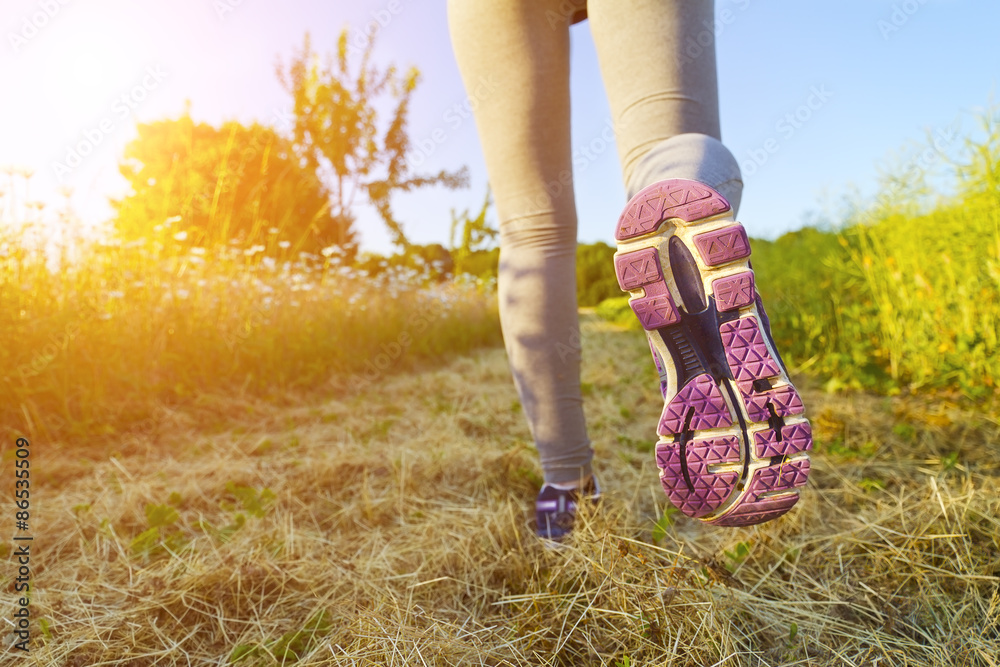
(544,230)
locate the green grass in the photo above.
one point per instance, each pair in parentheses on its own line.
(114,341)
(901,301)
(904,298)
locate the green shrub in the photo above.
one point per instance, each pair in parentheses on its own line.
(617,310)
(595,274)
(595,271)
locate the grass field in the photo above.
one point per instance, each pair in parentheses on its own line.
(387,525)
(113,343)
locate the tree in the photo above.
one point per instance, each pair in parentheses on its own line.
(230,182)
(477,235)
(338,134)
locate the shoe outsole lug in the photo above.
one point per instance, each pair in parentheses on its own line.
(734,292)
(699,405)
(684,200)
(641,270)
(722,246)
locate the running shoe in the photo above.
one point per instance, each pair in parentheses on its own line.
(555,509)
(733,440)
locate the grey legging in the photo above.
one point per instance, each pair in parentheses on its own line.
(657,60)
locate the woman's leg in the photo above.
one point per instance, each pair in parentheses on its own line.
(733,440)
(521,49)
(658,64)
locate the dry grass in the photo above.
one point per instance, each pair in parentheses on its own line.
(398,535)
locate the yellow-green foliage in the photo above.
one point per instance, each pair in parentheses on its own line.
(595,275)
(105,343)
(617,310)
(906,296)
(908,302)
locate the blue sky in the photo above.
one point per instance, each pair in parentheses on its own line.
(72,69)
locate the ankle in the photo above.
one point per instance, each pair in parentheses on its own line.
(573,485)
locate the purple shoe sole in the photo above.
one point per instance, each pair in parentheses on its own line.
(733,441)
